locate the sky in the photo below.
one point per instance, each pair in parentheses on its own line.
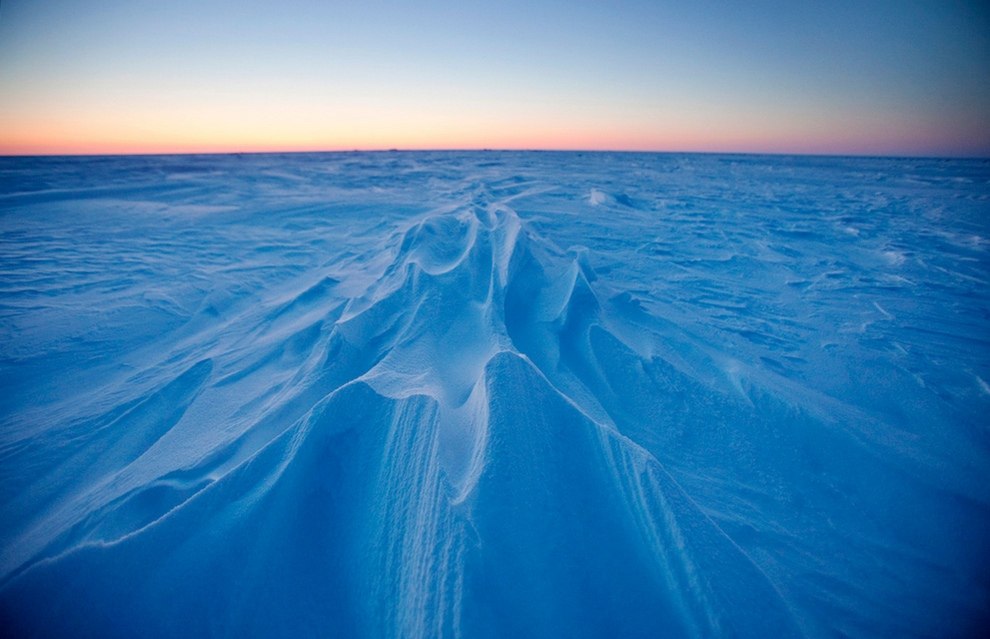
(863,77)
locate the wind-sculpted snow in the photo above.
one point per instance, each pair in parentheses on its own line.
(494,394)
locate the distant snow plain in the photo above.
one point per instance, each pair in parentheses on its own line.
(494,394)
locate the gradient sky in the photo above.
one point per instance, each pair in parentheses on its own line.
(902,77)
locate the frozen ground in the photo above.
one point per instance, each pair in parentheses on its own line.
(494,395)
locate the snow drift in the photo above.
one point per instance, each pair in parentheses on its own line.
(427,395)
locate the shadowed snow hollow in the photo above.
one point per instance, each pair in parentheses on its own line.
(371,395)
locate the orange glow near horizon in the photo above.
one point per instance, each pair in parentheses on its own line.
(203,136)
(294,119)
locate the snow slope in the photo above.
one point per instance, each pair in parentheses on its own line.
(494,394)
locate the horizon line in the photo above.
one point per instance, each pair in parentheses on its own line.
(809,154)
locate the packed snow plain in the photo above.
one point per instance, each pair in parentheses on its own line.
(494,394)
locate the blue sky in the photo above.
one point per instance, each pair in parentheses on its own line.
(907,77)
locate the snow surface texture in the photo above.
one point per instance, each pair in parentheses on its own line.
(494,395)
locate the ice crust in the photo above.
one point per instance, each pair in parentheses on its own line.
(494,394)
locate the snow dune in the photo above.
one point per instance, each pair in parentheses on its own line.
(493,394)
